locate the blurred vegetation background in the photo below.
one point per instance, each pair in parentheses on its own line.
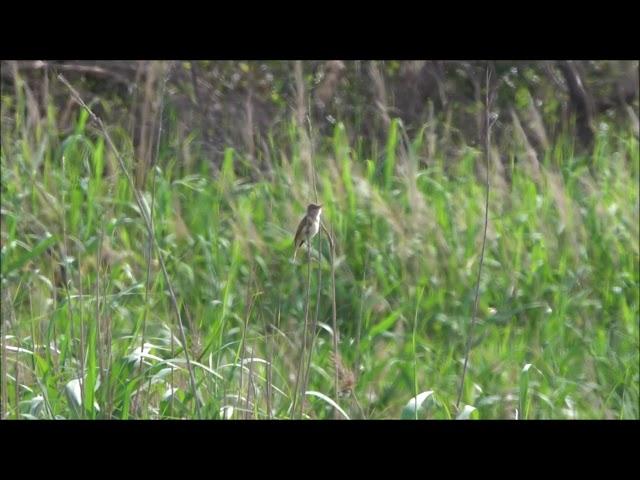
(227,154)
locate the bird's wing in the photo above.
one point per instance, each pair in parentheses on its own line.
(299,236)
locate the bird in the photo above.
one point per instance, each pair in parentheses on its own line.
(308,227)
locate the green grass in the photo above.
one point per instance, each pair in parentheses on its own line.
(557,334)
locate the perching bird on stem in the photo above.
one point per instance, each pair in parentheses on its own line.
(308,228)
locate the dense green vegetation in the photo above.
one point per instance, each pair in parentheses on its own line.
(82,288)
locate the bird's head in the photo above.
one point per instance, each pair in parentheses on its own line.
(313,209)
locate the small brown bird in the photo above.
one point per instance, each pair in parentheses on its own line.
(308,228)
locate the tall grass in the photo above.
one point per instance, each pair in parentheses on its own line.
(89,328)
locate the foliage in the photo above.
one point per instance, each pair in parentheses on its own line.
(86,334)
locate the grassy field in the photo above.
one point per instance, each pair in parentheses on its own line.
(91,329)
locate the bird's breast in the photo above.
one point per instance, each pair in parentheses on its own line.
(315,226)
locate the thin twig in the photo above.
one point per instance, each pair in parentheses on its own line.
(334,315)
(250,388)
(300,372)
(356,364)
(101,365)
(415,356)
(305,379)
(147,289)
(250,304)
(314,174)
(76,68)
(14,325)
(487,140)
(269,373)
(4,410)
(83,366)
(66,280)
(355,398)
(145,216)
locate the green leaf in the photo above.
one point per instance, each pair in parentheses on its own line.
(91,381)
(413,406)
(328,400)
(11,266)
(74,396)
(228,175)
(524,391)
(468,413)
(418,141)
(82,121)
(385,324)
